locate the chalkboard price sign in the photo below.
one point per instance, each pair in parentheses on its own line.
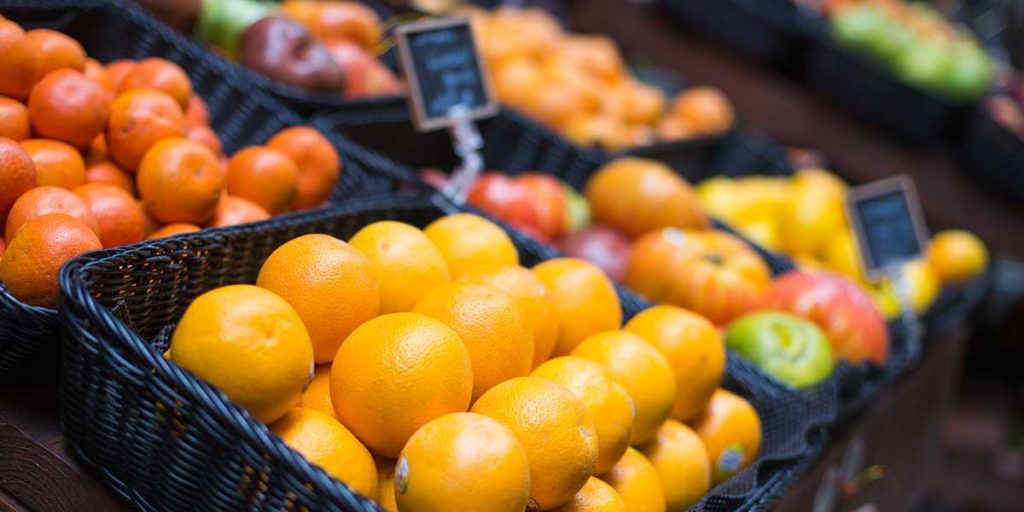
(445,72)
(886,219)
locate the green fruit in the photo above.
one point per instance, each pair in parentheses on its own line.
(892,39)
(858,27)
(577,212)
(925,64)
(786,347)
(970,74)
(221,22)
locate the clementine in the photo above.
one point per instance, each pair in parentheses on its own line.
(54,50)
(177,228)
(232,211)
(14,122)
(116,212)
(264,176)
(318,163)
(18,60)
(67,106)
(41,201)
(162,75)
(18,176)
(111,174)
(33,258)
(180,181)
(57,164)
(138,120)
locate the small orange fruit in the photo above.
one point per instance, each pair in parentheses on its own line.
(318,395)
(706,108)
(499,340)
(232,211)
(471,244)
(637,483)
(57,164)
(585,300)
(674,127)
(249,343)
(116,70)
(19,61)
(440,460)
(18,176)
(264,176)
(138,120)
(330,284)
(54,50)
(205,136)
(607,402)
(957,256)
(67,106)
(534,302)
(318,163)
(554,429)
(116,211)
(162,75)
(595,496)
(386,484)
(33,258)
(642,370)
(95,71)
(694,349)
(196,113)
(14,119)
(731,432)
(97,150)
(150,224)
(328,444)
(681,464)
(394,374)
(180,181)
(41,201)
(111,174)
(406,262)
(177,228)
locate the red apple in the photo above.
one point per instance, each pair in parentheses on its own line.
(602,246)
(365,76)
(503,197)
(548,199)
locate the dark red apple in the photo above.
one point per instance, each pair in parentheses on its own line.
(602,246)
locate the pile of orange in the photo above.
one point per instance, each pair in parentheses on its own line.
(99,156)
(429,371)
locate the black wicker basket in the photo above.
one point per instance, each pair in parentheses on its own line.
(994,155)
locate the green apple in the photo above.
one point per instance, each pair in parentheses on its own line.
(971,73)
(786,347)
(925,63)
(857,27)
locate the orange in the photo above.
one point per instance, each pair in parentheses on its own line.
(54,51)
(534,302)
(637,483)
(329,283)
(681,464)
(694,349)
(470,244)
(196,113)
(67,106)
(462,461)
(116,70)
(337,20)
(18,176)
(138,120)
(555,430)
(957,256)
(264,176)
(177,228)
(405,261)
(57,164)
(249,343)
(95,71)
(386,484)
(41,201)
(33,258)
(180,181)
(205,136)
(607,402)
(585,300)
(14,119)
(318,395)
(118,215)
(318,163)
(97,150)
(162,75)
(642,370)
(18,59)
(706,108)
(731,432)
(150,224)
(111,174)
(499,340)
(595,496)
(232,211)
(645,103)
(674,127)
(328,444)
(396,373)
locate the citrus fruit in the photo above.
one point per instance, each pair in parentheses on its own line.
(67,106)
(328,444)
(637,483)
(405,261)
(694,349)
(534,302)
(318,395)
(160,74)
(232,211)
(116,212)
(843,256)
(177,228)
(196,113)
(33,258)
(585,300)
(54,51)
(264,176)
(555,430)
(957,256)
(642,370)
(681,464)
(97,150)
(595,496)
(318,163)
(116,70)
(111,174)
(674,127)
(14,122)
(18,60)
(924,284)
(95,71)
(394,374)
(499,340)
(470,244)
(41,201)
(180,181)
(57,164)
(386,484)
(250,344)
(607,402)
(462,461)
(329,283)
(18,176)
(138,120)
(706,108)
(205,136)
(731,432)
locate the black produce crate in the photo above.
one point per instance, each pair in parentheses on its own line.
(165,440)
(240,114)
(993,154)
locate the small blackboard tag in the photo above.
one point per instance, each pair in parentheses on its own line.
(445,70)
(886,219)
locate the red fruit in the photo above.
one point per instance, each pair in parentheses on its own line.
(602,246)
(365,76)
(549,204)
(504,198)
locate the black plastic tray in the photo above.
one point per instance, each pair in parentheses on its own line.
(994,155)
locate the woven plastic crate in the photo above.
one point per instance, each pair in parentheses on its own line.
(993,155)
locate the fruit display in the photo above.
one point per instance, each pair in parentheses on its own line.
(96,156)
(477,380)
(785,346)
(580,85)
(327,47)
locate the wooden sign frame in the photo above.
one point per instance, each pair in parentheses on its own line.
(901,183)
(421,121)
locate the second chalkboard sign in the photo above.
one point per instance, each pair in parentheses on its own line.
(886,219)
(446,73)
